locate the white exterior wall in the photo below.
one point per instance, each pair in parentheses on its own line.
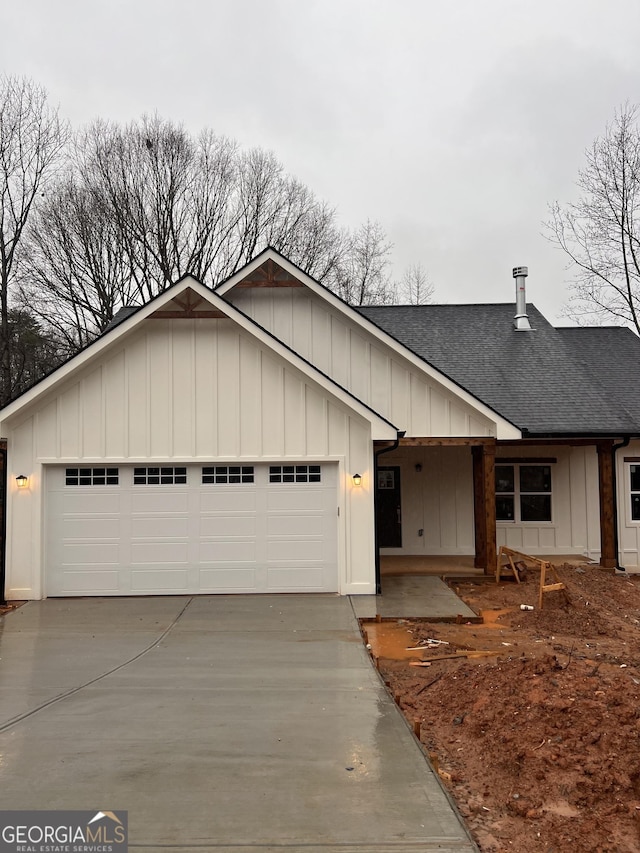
(628,530)
(439,500)
(361,363)
(575,505)
(182,390)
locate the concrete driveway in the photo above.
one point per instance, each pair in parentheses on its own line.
(220,723)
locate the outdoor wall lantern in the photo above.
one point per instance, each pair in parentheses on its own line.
(22,481)
(357,480)
(418,467)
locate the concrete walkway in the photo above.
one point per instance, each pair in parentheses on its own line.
(220,723)
(413,597)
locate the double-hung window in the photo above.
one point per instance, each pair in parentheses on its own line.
(523,492)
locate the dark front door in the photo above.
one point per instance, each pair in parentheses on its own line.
(388,510)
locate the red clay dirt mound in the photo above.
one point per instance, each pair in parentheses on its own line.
(539,743)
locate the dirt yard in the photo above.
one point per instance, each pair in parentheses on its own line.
(538,740)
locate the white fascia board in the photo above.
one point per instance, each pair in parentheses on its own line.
(504,428)
(381,429)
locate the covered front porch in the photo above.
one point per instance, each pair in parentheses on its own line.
(441,509)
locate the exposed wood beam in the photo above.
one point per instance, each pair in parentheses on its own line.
(446,442)
(550,442)
(290,282)
(519,460)
(187,315)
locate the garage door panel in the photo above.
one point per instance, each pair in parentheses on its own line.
(292,578)
(227,500)
(227,525)
(227,579)
(165,580)
(149,527)
(85,502)
(87,581)
(90,553)
(295,525)
(159,552)
(199,537)
(225,551)
(301,550)
(299,497)
(90,527)
(170,501)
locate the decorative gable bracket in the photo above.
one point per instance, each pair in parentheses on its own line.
(270,274)
(189,305)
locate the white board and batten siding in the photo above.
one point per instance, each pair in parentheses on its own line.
(364,364)
(185,392)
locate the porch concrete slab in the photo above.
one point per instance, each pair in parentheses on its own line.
(219,723)
(412,597)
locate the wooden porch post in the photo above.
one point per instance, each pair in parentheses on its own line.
(608,558)
(484,505)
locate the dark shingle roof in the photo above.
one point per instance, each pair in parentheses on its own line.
(549,381)
(121,315)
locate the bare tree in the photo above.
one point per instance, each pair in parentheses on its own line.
(78,273)
(34,349)
(141,205)
(32,137)
(415,287)
(600,233)
(363,274)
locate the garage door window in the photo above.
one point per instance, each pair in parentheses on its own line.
(227,474)
(159,476)
(294,474)
(91,477)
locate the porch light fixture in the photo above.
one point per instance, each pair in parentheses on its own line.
(357,480)
(22,481)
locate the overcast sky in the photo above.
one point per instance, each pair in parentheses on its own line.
(453,124)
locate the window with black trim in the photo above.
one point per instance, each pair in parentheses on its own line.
(294,474)
(523,492)
(165,476)
(91,477)
(634,471)
(227,474)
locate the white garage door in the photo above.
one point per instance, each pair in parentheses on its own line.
(127,530)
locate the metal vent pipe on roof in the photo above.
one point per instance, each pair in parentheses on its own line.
(521,320)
